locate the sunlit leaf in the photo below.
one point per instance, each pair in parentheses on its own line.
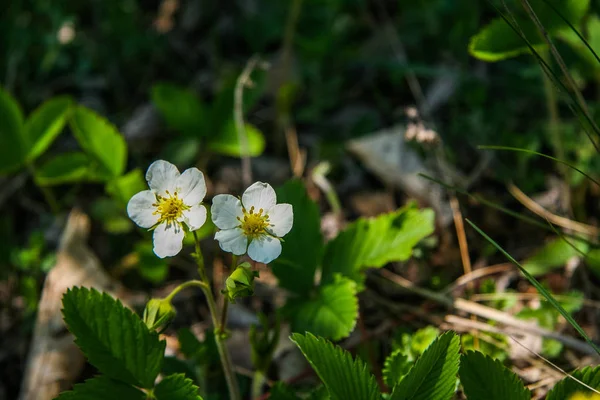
(176,387)
(227,142)
(395,368)
(554,254)
(568,386)
(125,186)
(44,125)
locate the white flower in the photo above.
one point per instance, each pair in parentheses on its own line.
(256,219)
(173,200)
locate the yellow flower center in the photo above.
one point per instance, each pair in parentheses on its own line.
(254,224)
(170,208)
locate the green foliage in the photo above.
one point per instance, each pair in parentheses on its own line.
(396,366)
(375,242)
(44,125)
(498,41)
(295,267)
(568,387)
(100,140)
(181,109)
(227,141)
(414,344)
(176,387)
(125,186)
(102,388)
(68,167)
(332,313)
(433,377)
(343,377)
(554,254)
(280,391)
(112,337)
(484,378)
(12,146)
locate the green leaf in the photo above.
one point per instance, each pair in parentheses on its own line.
(331,314)
(181,109)
(484,378)
(554,254)
(100,140)
(126,186)
(344,377)
(113,338)
(280,391)
(44,125)
(227,143)
(65,168)
(433,377)
(395,368)
(102,388)
(176,387)
(375,242)
(295,267)
(498,41)
(567,387)
(12,140)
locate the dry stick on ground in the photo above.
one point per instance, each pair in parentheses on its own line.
(478,274)
(54,361)
(553,218)
(489,313)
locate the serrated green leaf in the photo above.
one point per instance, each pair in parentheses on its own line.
(554,254)
(344,377)
(100,140)
(484,378)
(331,314)
(44,125)
(69,167)
(498,41)
(396,366)
(102,388)
(181,109)
(12,139)
(124,187)
(113,338)
(227,143)
(375,242)
(295,267)
(567,387)
(433,377)
(280,391)
(176,387)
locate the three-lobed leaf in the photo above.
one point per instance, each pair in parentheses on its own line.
(295,267)
(484,378)
(44,125)
(343,377)
(433,377)
(102,388)
(498,41)
(100,140)
(12,140)
(176,387)
(567,387)
(331,314)
(113,338)
(375,242)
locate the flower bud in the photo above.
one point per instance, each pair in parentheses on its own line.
(158,314)
(241,282)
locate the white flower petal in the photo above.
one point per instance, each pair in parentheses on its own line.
(259,195)
(141,210)
(195,217)
(281,219)
(225,211)
(232,240)
(264,249)
(190,187)
(161,176)
(168,238)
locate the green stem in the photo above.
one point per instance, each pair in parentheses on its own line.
(258,379)
(220,337)
(184,285)
(223,325)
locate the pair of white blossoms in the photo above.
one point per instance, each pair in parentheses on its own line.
(173,205)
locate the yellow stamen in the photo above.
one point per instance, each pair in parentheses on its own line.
(254,224)
(169,208)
